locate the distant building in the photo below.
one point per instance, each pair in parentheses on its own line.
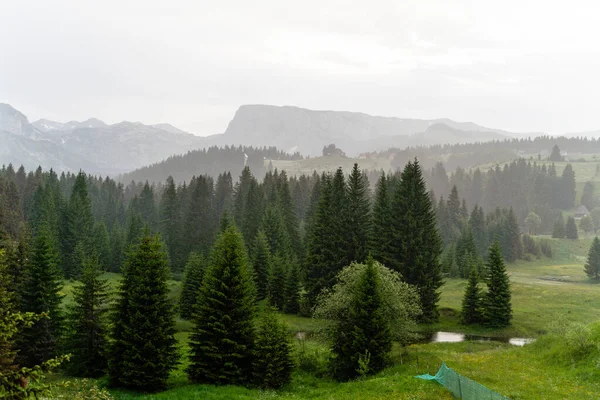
(581,212)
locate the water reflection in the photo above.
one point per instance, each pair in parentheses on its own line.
(455,337)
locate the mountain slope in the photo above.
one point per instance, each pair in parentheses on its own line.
(307,131)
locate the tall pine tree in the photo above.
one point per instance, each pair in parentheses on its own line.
(192,282)
(40,294)
(222,340)
(143,349)
(358,216)
(382,221)
(592,265)
(497,302)
(416,244)
(86,325)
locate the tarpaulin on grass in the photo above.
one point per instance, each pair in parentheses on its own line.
(460,386)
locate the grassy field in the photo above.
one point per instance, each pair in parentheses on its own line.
(543,290)
(330,163)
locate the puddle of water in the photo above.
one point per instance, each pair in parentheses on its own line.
(455,337)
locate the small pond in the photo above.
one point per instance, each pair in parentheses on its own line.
(450,337)
(454,337)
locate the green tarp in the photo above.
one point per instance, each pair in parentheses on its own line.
(460,386)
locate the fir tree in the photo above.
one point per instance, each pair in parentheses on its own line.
(415,239)
(192,282)
(471,304)
(571,229)
(79,227)
(277,282)
(273,226)
(85,324)
(497,309)
(102,245)
(40,294)
(143,349)
(7,309)
(261,263)
(116,248)
(273,360)
(291,295)
(289,215)
(223,336)
(592,266)
(512,247)
(382,221)
(363,339)
(170,222)
(559,231)
(358,216)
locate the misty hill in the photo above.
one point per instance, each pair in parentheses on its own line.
(212,162)
(91,144)
(118,148)
(307,131)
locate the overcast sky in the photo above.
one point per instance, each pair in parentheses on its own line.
(525,66)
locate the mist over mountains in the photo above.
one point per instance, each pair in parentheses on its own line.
(101,148)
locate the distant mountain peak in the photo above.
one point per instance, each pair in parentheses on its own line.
(15,122)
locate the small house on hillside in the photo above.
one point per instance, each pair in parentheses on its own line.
(581,212)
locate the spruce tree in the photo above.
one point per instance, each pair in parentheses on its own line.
(559,231)
(277,282)
(471,304)
(85,324)
(416,242)
(102,245)
(512,247)
(477,225)
(222,340)
(291,296)
(261,263)
(273,226)
(40,294)
(571,229)
(273,358)
(170,222)
(363,339)
(288,213)
(382,221)
(192,282)
(79,226)
(358,217)
(7,309)
(497,309)
(592,266)
(144,348)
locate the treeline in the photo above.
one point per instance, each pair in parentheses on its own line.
(467,155)
(211,161)
(523,185)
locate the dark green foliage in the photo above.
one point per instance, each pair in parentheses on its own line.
(466,253)
(79,226)
(327,253)
(147,208)
(273,361)
(471,304)
(559,230)
(497,301)
(200,223)
(170,222)
(288,213)
(102,245)
(362,339)
(571,229)
(222,340)
(7,351)
(273,226)
(592,265)
(277,282)
(566,193)
(40,294)
(291,304)
(143,349)
(261,263)
(382,221)
(512,248)
(85,324)
(358,217)
(416,242)
(586,224)
(253,211)
(192,282)
(117,250)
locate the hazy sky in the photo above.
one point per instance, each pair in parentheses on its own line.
(518,65)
